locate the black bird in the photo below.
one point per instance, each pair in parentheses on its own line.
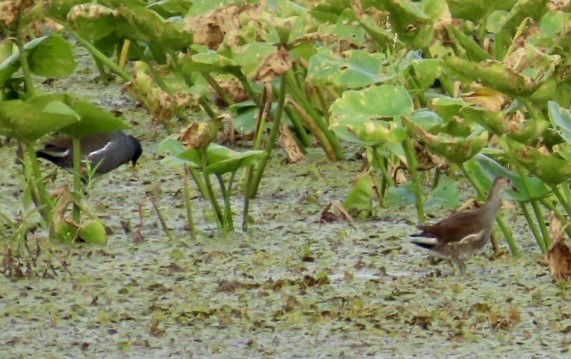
(104,152)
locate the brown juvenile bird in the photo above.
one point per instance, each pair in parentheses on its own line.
(459,236)
(104,152)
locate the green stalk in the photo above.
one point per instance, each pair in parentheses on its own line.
(534,206)
(314,129)
(382,165)
(298,124)
(76,179)
(271,140)
(412,162)
(319,121)
(99,55)
(37,186)
(538,238)
(565,202)
(206,106)
(228,221)
(505,230)
(28,81)
(210,191)
(188,203)
(249,90)
(216,87)
(162,220)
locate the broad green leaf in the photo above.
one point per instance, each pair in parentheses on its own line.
(154,29)
(93,119)
(426,71)
(400,196)
(7,48)
(473,50)
(95,21)
(209,61)
(244,117)
(359,201)
(445,195)
(348,32)
(454,149)
(12,63)
(561,119)
(373,103)
(356,69)
(551,168)
(29,121)
(446,107)
(484,170)
(93,232)
(170,8)
(52,58)
(249,56)
(476,10)
(491,73)
(60,9)
(366,116)
(173,148)
(329,11)
(220,159)
(426,119)
(497,122)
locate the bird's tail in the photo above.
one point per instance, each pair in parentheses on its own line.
(427,243)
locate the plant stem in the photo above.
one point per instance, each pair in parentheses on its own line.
(313,128)
(536,210)
(162,220)
(99,55)
(565,202)
(188,203)
(76,179)
(332,139)
(206,106)
(249,90)
(228,221)
(36,183)
(271,140)
(412,163)
(298,124)
(219,90)
(28,81)
(208,185)
(538,238)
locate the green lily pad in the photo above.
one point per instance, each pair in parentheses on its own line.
(484,170)
(93,232)
(445,195)
(30,120)
(551,168)
(357,68)
(93,119)
(366,116)
(526,132)
(454,149)
(53,57)
(561,119)
(209,61)
(359,201)
(220,159)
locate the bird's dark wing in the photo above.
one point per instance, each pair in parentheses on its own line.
(455,227)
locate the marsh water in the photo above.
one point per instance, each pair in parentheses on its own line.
(291,287)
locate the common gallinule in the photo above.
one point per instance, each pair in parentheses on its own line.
(105,152)
(459,236)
